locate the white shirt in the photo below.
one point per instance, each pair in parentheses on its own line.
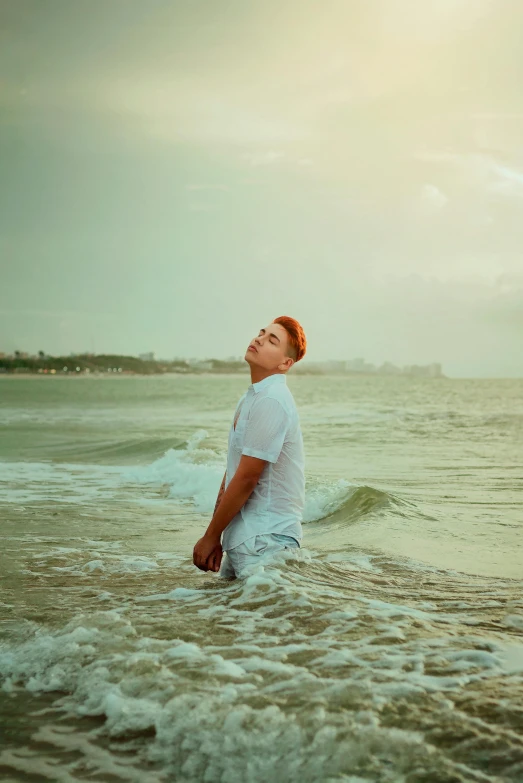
(268,427)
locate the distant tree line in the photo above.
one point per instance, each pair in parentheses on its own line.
(103,363)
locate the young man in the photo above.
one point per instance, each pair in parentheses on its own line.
(261,499)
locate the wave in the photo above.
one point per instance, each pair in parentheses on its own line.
(125,451)
(357,502)
(187,472)
(194,474)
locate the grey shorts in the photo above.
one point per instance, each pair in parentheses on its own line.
(235,560)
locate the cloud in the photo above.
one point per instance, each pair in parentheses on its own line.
(433,197)
(478,169)
(510,182)
(263,158)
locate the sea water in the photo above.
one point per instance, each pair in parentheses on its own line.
(388,648)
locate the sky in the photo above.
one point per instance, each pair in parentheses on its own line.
(175,174)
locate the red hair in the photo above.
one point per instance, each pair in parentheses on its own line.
(297,340)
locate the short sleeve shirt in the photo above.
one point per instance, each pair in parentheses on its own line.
(268,427)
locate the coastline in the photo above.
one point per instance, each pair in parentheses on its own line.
(107,375)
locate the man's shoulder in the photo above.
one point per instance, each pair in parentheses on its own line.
(283,394)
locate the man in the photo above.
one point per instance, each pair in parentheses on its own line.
(260,503)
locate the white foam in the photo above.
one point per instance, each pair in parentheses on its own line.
(179,593)
(193,474)
(510,656)
(194,694)
(63,483)
(326,498)
(361,562)
(513,621)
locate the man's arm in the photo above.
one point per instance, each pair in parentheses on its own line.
(220,493)
(234,497)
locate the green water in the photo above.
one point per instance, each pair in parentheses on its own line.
(388,649)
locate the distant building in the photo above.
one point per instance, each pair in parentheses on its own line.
(359,365)
(147,357)
(426,370)
(387,368)
(435,370)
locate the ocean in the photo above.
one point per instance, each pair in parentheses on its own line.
(389,648)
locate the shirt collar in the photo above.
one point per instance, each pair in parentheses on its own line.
(276,377)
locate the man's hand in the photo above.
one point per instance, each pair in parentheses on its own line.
(215,559)
(207,553)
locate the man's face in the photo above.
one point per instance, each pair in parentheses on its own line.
(271,348)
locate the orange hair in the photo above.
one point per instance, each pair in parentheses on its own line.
(297,339)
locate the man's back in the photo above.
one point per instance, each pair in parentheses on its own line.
(268,428)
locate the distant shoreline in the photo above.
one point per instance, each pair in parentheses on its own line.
(110,376)
(111,365)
